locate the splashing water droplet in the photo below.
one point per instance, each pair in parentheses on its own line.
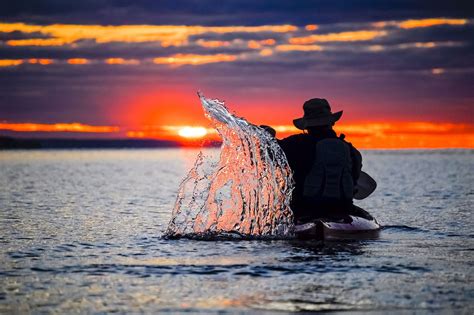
(246,193)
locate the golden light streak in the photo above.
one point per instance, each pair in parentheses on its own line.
(370,135)
(418,23)
(393,135)
(121,61)
(299,48)
(136,134)
(10,62)
(167,35)
(425,45)
(62,127)
(77,61)
(39,42)
(192,59)
(338,37)
(40,61)
(437,71)
(430,22)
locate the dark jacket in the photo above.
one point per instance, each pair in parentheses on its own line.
(300,151)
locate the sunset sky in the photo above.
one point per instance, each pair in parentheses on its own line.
(402,71)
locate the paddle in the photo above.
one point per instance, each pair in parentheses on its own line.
(365,186)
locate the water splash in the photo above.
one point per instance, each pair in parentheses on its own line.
(244,194)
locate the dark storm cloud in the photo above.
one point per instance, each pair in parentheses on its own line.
(229,12)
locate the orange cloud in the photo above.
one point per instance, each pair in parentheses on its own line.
(268,42)
(77,61)
(40,61)
(17,62)
(38,42)
(121,61)
(192,59)
(212,43)
(253,44)
(430,22)
(408,24)
(311,27)
(10,62)
(299,48)
(266,52)
(338,37)
(167,35)
(65,127)
(257,44)
(425,45)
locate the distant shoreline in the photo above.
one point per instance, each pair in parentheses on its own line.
(10,143)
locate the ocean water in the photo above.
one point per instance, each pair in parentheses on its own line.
(80,231)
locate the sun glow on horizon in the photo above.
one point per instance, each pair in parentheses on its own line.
(192,132)
(364,135)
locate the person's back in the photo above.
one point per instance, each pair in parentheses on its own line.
(325,166)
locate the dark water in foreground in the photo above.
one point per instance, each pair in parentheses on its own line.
(80,231)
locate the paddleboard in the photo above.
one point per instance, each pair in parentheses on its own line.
(345,227)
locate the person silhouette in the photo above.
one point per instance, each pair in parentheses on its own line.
(325,166)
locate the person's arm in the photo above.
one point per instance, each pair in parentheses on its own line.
(285,144)
(356,158)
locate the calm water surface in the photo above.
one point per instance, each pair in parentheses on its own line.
(80,231)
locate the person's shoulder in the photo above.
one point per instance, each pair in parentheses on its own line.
(344,139)
(295,138)
(353,149)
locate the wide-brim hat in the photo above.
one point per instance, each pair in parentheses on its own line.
(317,112)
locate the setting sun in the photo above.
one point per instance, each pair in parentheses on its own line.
(192,132)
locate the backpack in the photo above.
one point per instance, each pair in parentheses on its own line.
(330,178)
